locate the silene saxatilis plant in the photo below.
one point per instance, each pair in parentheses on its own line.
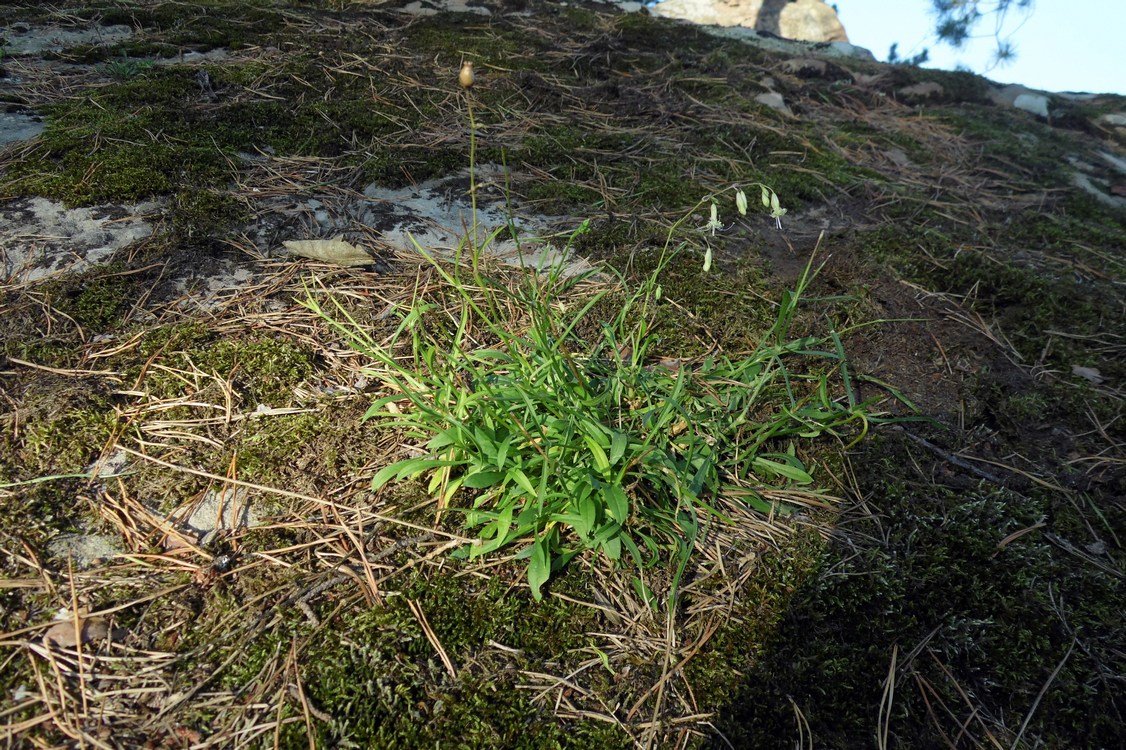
(556,433)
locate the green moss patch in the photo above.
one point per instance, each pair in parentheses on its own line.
(969,613)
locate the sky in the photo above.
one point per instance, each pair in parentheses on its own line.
(1063,45)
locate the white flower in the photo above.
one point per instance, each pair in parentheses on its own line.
(741,202)
(714,223)
(770,200)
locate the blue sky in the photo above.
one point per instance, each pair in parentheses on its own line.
(1064,45)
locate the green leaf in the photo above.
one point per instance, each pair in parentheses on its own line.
(522,480)
(634,552)
(588,511)
(617,504)
(612,547)
(410,467)
(496,532)
(502,452)
(449,436)
(377,407)
(539,566)
(781,469)
(504,523)
(574,520)
(481,479)
(601,461)
(619,441)
(483,442)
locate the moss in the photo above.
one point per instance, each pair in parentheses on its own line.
(45,509)
(51,351)
(1078,229)
(287,450)
(472,37)
(988,615)
(262,370)
(412,164)
(816,621)
(717,675)
(171,337)
(206,24)
(643,31)
(377,674)
(467,615)
(1006,140)
(1021,278)
(706,308)
(122,143)
(561,196)
(150,140)
(68,441)
(97,299)
(791,160)
(957,85)
(198,213)
(65,422)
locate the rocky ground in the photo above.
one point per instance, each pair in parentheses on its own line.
(191,551)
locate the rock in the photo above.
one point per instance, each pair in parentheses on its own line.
(43,237)
(1115,161)
(806,20)
(1037,104)
(812,67)
(845,49)
(1095,190)
(25,39)
(1021,97)
(774,101)
(15,126)
(921,92)
(419,8)
(217,512)
(87,550)
(812,21)
(805,67)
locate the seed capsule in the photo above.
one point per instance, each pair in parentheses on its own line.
(465,77)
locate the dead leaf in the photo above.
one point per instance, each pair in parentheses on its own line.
(62,633)
(1088,373)
(335,251)
(898,157)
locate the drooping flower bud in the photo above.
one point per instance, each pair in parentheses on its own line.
(465,77)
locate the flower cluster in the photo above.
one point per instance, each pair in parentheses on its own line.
(769,200)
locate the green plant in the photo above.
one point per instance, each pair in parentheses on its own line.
(126,68)
(539,435)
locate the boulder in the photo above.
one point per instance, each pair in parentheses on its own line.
(807,20)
